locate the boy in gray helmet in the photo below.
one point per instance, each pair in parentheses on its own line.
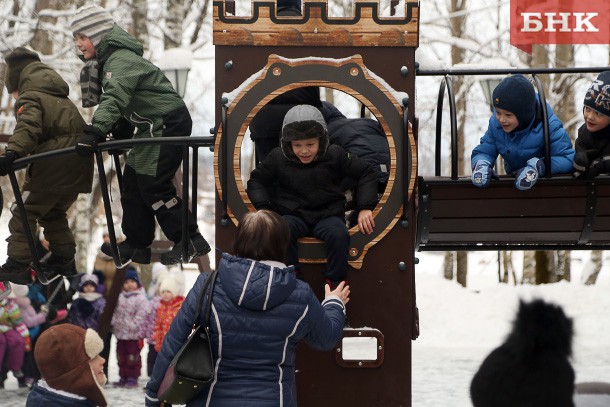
(301,181)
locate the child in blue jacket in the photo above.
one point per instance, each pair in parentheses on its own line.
(515,132)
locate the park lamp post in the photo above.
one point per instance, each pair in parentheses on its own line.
(488,84)
(176,64)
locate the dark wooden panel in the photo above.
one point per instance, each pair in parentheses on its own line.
(514,237)
(555,224)
(534,207)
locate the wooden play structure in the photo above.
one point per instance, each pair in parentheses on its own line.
(372,59)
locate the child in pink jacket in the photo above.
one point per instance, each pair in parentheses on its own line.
(129,315)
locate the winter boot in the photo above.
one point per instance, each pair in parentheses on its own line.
(127,253)
(54,265)
(120,383)
(198,247)
(16,272)
(131,383)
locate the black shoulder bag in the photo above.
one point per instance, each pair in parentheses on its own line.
(193,366)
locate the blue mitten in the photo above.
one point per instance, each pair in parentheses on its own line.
(528,176)
(482,174)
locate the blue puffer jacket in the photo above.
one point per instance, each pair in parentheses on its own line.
(43,397)
(516,148)
(260,313)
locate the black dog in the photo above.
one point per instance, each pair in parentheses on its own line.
(532,368)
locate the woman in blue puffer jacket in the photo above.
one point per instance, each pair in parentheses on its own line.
(260,312)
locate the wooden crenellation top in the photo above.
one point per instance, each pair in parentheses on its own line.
(366,28)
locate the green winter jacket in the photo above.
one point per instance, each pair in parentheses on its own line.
(47,120)
(136,89)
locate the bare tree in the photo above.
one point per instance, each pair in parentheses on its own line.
(592,268)
(458,25)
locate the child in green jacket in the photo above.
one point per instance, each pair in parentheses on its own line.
(137,95)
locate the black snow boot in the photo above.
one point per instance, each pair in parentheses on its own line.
(16,272)
(127,253)
(198,246)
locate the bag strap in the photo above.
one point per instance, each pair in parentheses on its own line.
(208,305)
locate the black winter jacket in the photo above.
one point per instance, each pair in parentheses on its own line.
(311,191)
(592,149)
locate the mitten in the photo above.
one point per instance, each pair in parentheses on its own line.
(87,143)
(599,166)
(528,176)
(122,129)
(6,161)
(28,343)
(482,174)
(581,162)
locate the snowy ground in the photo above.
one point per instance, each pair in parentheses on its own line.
(459,327)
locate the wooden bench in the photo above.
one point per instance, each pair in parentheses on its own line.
(557,213)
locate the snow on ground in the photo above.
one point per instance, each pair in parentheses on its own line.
(459,327)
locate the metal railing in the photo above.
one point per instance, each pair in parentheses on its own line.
(193,142)
(446,84)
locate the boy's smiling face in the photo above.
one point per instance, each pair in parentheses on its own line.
(84,44)
(306,150)
(507,120)
(594,120)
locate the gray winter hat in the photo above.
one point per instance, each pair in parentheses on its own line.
(303,122)
(92,21)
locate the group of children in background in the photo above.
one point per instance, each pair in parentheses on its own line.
(139,315)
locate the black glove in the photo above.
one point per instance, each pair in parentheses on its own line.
(6,161)
(581,161)
(87,143)
(51,314)
(598,166)
(122,129)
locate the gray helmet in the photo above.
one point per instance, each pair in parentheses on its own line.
(300,123)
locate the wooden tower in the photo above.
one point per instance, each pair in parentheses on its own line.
(372,59)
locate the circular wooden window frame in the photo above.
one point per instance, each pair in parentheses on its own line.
(350,76)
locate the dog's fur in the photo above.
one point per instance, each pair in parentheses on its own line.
(532,367)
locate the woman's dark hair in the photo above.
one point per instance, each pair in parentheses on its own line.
(262,235)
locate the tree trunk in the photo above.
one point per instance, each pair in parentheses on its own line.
(462,268)
(458,23)
(545,262)
(592,268)
(140,29)
(448,265)
(82,232)
(529,267)
(173,22)
(41,41)
(509,270)
(562,270)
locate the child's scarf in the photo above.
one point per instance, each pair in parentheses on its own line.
(91,88)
